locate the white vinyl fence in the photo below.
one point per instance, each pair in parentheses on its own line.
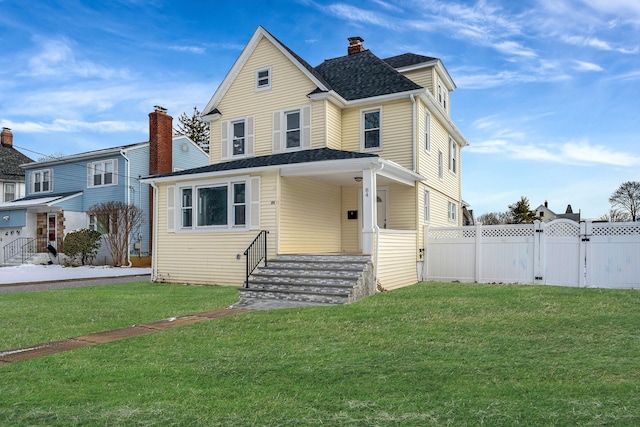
(561,252)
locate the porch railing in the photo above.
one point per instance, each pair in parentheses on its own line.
(255,253)
(24,248)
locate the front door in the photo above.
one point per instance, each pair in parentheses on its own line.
(51,229)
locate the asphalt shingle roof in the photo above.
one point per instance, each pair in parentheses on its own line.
(407,59)
(363,75)
(10,161)
(303,156)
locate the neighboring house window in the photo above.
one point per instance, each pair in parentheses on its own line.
(427,205)
(371,120)
(9,192)
(100,223)
(427,132)
(102,173)
(440,165)
(292,129)
(263,79)
(220,205)
(40,181)
(453,156)
(453,212)
(236,138)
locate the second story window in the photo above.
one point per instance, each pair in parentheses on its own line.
(427,132)
(263,78)
(292,129)
(371,130)
(41,181)
(442,95)
(9,192)
(292,122)
(102,173)
(236,138)
(453,156)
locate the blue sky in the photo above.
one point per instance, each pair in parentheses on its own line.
(548,91)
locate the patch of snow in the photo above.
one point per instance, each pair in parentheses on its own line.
(29,273)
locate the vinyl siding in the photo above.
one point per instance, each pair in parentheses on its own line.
(309,216)
(423,77)
(396,131)
(139,194)
(198,257)
(402,207)
(397,262)
(289,87)
(334,126)
(349,227)
(186,155)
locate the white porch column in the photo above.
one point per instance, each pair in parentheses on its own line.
(368,210)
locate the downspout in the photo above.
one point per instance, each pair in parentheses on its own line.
(128,187)
(154,251)
(413,133)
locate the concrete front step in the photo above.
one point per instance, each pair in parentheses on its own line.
(323,279)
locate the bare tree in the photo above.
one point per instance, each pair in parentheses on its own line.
(627,199)
(117,220)
(494,218)
(194,128)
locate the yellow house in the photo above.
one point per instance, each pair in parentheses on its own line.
(354,156)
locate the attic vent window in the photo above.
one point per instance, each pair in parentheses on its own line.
(263,79)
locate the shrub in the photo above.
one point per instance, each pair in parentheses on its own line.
(82,245)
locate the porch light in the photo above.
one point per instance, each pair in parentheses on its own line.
(358,179)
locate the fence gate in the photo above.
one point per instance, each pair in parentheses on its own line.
(560,252)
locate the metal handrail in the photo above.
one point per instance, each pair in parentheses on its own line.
(255,253)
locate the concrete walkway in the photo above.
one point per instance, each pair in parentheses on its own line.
(45,349)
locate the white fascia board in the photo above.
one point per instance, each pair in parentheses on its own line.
(394,171)
(328,167)
(440,68)
(73,157)
(434,107)
(258,35)
(338,101)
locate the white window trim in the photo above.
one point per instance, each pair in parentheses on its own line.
(32,183)
(362,130)
(440,165)
(91,168)
(427,206)
(226,138)
(257,79)
(252,188)
(427,132)
(453,156)
(5,191)
(452,212)
(280,129)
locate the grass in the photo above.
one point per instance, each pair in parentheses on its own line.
(430,354)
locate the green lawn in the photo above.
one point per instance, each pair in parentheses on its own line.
(431,354)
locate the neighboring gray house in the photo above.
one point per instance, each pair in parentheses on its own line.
(545,214)
(60,191)
(11,174)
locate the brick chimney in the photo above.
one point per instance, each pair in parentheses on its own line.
(160,152)
(6,137)
(160,141)
(355,45)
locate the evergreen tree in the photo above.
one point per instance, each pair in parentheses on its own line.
(521,213)
(194,128)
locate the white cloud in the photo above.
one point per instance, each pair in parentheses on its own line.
(514,48)
(189,49)
(61,125)
(57,58)
(584,152)
(586,66)
(355,14)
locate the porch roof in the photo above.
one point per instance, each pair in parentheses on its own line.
(38,200)
(335,165)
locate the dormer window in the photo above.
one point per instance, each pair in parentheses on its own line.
(263,79)
(442,95)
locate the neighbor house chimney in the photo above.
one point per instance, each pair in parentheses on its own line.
(6,137)
(569,210)
(546,204)
(355,45)
(160,141)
